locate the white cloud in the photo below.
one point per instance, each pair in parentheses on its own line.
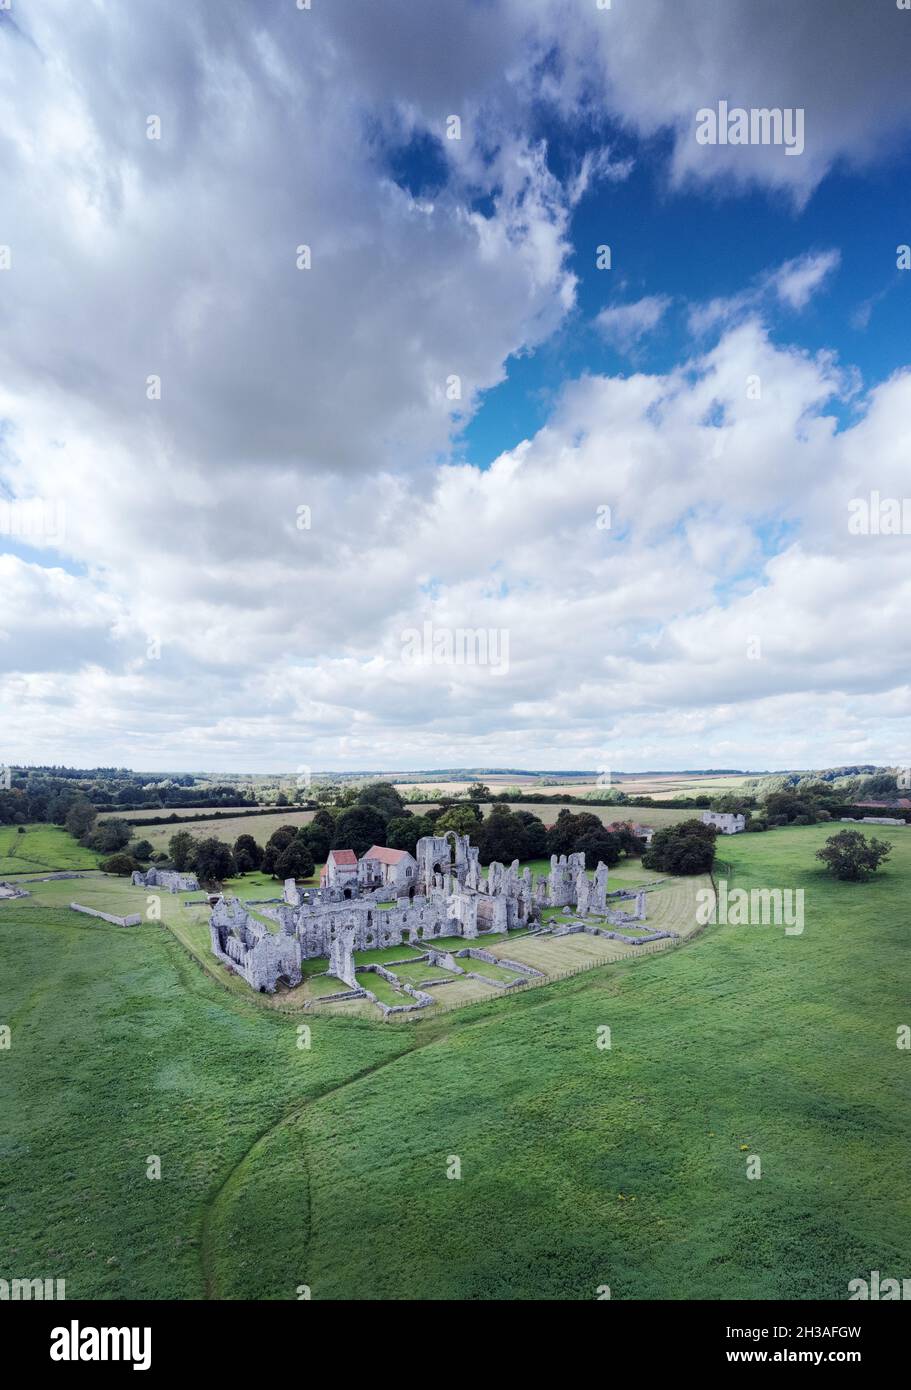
(287,645)
(797,281)
(624,325)
(792,284)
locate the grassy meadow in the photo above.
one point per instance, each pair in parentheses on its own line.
(327,1166)
(41,849)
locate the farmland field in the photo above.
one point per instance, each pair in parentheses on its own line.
(180,811)
(579,1166)
(663,784)
(640,815)
(227,829)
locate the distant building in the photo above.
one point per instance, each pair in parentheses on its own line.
(725,821)
(643,832)
(381,867)
(339,870)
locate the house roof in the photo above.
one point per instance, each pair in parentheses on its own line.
(386,855)
(343,856)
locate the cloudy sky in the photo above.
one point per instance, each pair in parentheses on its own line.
(324,329)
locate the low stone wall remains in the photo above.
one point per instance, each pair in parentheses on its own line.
(133,921)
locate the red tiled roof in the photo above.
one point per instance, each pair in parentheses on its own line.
(343,856)
(385,855)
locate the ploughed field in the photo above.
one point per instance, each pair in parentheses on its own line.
(326,1165)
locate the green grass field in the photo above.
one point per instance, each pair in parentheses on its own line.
(326,1165)
(41,848)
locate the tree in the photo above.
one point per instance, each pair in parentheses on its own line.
(80,818)
(295,861)
(281,838)
(358,828)
(319,841)
(122,864)
(181,848)
(248,852)
(535,834)
(685,848)
(599,845)
(213,861)
(463,819)
(501,838)
(383,797)
(110,835)
(563,836)
(325,820)
(478,792)
(142,849)
(404,831)
(851,857)
(790,805)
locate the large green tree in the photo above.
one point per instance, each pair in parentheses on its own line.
(213,861)
(248,855)
(358,828)
(403,832)
(110,835)
(295,860)
(463,819)
(181,848)
(599,846)
(319,840)
(568,830)
(501,838)
(851,857)
(383,797)
(80,818)
(685,848)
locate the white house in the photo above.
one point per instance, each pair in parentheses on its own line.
(725,821)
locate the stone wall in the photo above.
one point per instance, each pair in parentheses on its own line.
(165,878)
(133,921)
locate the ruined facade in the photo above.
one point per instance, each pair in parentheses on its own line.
(250,949)
(165,878)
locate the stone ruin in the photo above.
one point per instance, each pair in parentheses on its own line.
(165,878)
(12,890)
(247,946)
(450,898)
(341,955)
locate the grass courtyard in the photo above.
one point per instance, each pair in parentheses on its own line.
(326,1165)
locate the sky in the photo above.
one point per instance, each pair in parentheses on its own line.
(408,386)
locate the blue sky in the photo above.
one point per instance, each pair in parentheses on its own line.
(695,246)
